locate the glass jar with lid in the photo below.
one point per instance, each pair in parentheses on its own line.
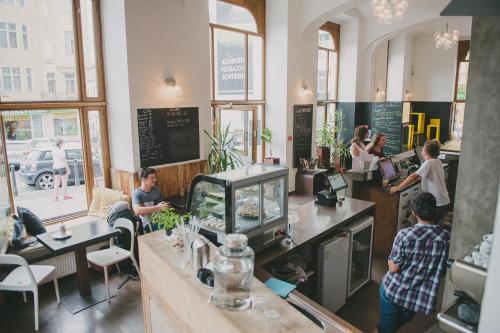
(233,273)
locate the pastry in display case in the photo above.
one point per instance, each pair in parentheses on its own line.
(250,200)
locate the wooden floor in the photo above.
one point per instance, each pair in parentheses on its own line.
(122,315)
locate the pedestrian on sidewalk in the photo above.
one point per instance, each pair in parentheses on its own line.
(61,170)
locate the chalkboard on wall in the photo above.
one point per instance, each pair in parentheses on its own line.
(386,119)
(168,135)
(302,132)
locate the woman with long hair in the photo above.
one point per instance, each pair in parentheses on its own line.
(376,146)
(61,170)
(357,143)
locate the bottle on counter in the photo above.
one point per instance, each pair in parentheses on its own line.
(233,273)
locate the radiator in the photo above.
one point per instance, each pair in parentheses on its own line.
(65,263)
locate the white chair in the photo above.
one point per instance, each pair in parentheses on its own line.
(27,278)
(114,254)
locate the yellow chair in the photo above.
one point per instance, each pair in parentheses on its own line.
(420,125)
(411,132)
(436,124)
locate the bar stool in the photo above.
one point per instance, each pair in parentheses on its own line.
(411,133)
(436,124)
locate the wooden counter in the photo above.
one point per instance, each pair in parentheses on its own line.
(174,300)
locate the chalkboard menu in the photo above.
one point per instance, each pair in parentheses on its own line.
(168,135)
(302,132)
(386,119)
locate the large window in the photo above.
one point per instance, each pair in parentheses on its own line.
(461,76)
(328,67)
(48,92)
(8,36)
(237,70)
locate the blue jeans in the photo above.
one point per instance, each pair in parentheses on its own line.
(392,316)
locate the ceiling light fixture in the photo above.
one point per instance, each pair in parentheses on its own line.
(386,11)
(446,40)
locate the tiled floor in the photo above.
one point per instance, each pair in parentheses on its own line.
(122,315)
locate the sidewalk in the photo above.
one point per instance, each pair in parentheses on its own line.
(42,203)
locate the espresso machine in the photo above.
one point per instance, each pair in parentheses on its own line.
(463,314)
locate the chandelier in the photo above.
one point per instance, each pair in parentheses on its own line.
(386,11)
(446,40)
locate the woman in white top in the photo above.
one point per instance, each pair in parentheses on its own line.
(357,143)
(61,170)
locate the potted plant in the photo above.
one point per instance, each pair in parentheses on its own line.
(325,136)
(223,155)
(267,137)
(167,219)
(340,150)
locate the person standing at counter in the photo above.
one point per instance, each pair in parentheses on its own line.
(357,143)
(431,173)
(416,265)
(376,146)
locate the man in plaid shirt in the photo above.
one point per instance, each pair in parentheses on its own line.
(416,265)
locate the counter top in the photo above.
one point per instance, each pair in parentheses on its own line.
(315,221)
(174,300)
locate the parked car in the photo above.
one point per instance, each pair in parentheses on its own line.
(36,168)
(16,150)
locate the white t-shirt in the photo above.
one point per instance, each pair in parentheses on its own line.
(59,158)
(432,174)
(360,148)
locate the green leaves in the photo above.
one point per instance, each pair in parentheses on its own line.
(166,219)
(223,155)
(325,135)
(267,137)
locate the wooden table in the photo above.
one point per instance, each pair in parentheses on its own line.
(85,234)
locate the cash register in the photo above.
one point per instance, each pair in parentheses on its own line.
(328,197)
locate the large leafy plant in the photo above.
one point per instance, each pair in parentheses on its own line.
(223,155)
(339,148)
(325,135)
(267,137)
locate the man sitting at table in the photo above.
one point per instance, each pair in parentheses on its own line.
(147,199)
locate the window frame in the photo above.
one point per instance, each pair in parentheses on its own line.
(334,30)
(83,104)
(257,10)
(463,50)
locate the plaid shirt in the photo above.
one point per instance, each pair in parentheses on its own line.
(420,253)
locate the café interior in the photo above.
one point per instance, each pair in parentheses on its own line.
(249,165)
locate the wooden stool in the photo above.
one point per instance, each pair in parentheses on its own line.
(436,124)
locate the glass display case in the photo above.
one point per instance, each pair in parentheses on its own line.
(251,200)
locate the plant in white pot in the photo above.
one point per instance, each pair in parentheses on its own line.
(267,138)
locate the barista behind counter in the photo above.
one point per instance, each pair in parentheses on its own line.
(431,175)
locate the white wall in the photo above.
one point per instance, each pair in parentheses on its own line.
(434,71)
(276,74)
(117,84)
(144,43)
(348,58)
(396,68)
(379,73)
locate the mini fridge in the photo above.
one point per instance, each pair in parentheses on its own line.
(334,263)
(360,253)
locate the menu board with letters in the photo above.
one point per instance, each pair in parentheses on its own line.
(386,119)
(302,132)
(168,135)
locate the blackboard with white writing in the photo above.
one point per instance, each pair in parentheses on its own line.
(386,118)
(302,132)
(168,135)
